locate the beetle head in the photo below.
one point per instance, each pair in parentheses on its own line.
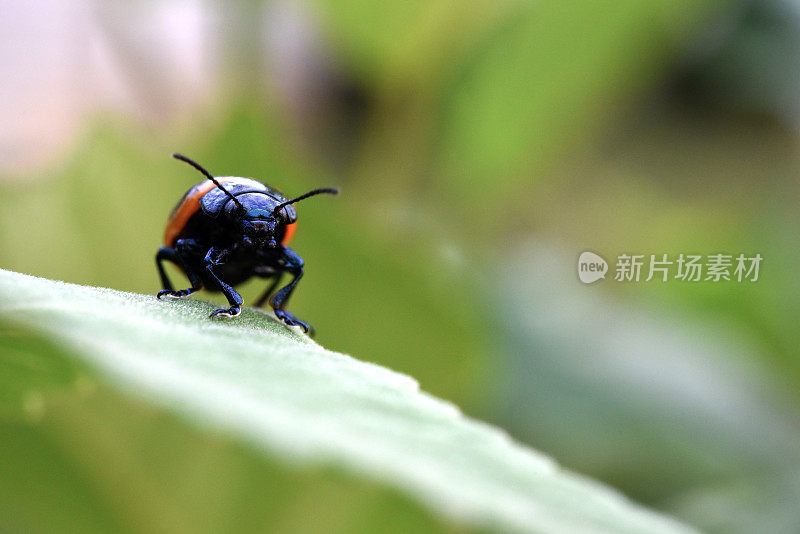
(259,228)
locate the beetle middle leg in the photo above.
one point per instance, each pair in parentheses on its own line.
(171,254)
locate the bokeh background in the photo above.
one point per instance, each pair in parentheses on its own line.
(480,147)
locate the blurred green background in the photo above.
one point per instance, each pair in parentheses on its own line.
(480,148)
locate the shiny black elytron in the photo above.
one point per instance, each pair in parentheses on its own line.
(225,231)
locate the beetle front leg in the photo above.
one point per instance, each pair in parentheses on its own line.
(217,257)
(293,264)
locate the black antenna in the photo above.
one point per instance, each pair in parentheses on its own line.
(208,175)
(328,190)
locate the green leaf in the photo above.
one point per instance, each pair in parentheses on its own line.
(302,406)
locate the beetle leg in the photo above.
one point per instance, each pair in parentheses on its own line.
(217,257)
(293,264)
(170,254)
(276,279)
(189,247)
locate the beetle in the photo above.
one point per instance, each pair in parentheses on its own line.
(226,230)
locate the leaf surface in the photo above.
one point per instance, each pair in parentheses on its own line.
(305,406)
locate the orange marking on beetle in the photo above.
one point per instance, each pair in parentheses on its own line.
(181,215)
(290,228)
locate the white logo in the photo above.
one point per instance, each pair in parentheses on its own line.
(591,267)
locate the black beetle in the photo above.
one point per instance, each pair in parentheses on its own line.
(226,230)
